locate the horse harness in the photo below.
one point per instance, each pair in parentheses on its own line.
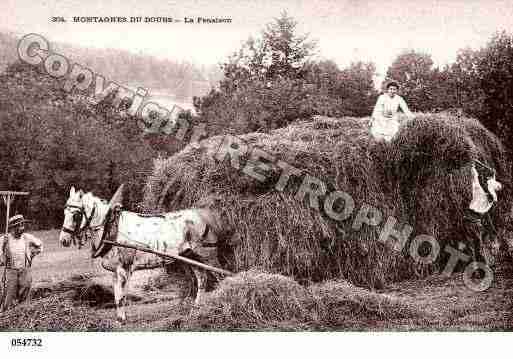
(77,220)
(110,226)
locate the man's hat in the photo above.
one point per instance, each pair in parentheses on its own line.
(16,220)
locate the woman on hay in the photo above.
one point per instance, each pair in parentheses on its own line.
(385,122)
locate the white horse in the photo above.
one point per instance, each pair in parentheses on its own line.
(185,232)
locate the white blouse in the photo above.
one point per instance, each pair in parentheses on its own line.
(385,122)
(388,107)
(20,249)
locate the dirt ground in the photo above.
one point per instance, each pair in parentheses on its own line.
(156,300)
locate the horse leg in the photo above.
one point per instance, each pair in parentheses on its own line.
(201,278)
(121,277)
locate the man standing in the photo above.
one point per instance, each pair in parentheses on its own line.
(17,250)
(484,196)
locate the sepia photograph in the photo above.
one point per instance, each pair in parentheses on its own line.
(255,166)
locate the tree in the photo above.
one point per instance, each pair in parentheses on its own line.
(465,82)
(325,76)
(413,71)
(263,85)
(480,82)
(286,51)
(357,88)
(495,70)
(50,141)
(273,81)
(279,53)
(346,92)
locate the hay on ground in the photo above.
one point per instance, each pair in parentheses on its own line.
(54,313)
(255,300)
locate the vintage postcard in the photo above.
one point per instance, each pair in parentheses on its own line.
(261,166)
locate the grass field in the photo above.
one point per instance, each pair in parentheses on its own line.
(72,292)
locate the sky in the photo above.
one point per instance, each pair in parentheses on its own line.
(346,30)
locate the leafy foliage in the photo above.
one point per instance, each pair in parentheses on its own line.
(479,83)
(495,69)
(52,140)
(273,81)
(287,52)
(413,71)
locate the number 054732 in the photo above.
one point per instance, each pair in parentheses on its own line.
(26,342)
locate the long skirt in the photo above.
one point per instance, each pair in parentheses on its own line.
(384,128)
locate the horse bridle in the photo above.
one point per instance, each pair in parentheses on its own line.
(77,219)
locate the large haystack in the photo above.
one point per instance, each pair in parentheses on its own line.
(421,178)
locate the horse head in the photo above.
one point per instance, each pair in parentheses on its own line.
(82,212)
(73,217)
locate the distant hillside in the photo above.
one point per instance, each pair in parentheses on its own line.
(180,79)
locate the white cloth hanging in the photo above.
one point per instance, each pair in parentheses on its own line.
(480,202)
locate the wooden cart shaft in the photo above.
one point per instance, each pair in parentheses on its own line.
(171,256)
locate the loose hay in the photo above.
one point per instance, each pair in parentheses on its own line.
(347,306)
(421,178)
(73,283)
(253,300)
(256,300)
(79,288)
(54,313)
